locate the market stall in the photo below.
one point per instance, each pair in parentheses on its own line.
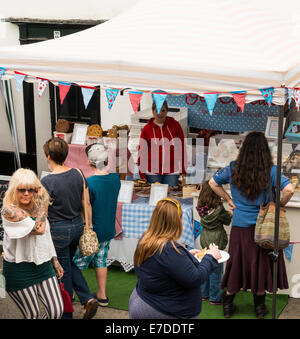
(208,55)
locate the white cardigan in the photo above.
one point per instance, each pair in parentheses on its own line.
(19,245)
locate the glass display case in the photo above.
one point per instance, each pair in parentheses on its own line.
(224,148)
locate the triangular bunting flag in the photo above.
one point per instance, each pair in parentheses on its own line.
(87,94)
(64,88)
(135,99)
(268,94)
(19,80)
(159,99)
(289,95)
(289,251)
(111,95)
(211,100)
(297,97)
(2,71)
(239,98)
(41,86)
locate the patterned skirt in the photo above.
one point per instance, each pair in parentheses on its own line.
(250,267)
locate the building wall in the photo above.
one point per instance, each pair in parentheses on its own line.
(65,10)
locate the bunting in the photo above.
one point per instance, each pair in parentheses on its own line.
(135,99)
(42,86)
(297,97)
(159,99)
(2,71)
(111,95)
(64,88)
(239,98)
(211,100)
(267,94)
(19,77)
(87,94)
(289,251)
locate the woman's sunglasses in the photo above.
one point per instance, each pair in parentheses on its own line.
(29,190)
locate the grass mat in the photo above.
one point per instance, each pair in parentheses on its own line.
(120,285)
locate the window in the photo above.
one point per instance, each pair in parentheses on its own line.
(73,108)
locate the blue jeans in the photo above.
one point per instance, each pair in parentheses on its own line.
(211,287)
(65,236)
(170,179)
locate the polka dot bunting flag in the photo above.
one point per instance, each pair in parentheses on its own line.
(268,94)
(297,97)
(42,84)
(111,95)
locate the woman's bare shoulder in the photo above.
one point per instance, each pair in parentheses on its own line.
(14,213)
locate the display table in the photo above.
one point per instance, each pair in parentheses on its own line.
(293,266)
(135,221)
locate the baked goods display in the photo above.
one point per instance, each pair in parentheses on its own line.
(62,126)
(95,130)
(114,131)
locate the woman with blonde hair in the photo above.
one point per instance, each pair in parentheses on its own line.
(30,260)
(169,276)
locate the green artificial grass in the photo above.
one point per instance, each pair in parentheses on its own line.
(120,285)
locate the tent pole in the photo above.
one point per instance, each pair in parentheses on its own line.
(274,254)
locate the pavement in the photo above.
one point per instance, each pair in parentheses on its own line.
(9,310)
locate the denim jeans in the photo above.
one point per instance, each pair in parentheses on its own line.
(211,287)
(170,179)
(65,236)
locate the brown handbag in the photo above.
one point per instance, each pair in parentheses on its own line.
(265,225)
(88,242)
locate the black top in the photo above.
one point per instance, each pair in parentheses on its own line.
(66,191)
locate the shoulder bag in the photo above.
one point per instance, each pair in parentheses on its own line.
(265,225)
(88,242)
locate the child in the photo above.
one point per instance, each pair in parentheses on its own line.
(213,217)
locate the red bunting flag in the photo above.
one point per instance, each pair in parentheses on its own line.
(239,98)
(63,90)
(135,99)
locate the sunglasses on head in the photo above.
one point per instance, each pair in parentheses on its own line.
(29,190)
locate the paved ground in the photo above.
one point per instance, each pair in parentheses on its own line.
(8,310)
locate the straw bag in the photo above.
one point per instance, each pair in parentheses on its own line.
(265,226)
(88,242)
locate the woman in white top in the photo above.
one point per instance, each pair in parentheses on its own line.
(30,260)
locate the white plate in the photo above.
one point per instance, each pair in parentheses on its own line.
(224,257)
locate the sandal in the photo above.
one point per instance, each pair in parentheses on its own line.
(90,309)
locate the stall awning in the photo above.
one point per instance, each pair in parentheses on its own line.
(177,46)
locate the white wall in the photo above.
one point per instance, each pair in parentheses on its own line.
(9,34)
(66,9)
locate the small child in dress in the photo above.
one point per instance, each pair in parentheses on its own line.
(213,216)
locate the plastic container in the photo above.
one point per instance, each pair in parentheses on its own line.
(293,132)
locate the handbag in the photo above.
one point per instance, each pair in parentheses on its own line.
(88,242)
(68,306)
(265,225)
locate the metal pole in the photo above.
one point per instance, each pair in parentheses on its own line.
(274,254)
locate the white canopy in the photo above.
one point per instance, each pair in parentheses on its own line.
(191,46)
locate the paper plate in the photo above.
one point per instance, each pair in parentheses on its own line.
(224,257)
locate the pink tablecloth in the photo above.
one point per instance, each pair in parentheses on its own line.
(77,158)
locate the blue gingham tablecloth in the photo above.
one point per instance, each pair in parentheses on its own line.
(136,218)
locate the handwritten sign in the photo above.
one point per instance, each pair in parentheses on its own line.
(158,192)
